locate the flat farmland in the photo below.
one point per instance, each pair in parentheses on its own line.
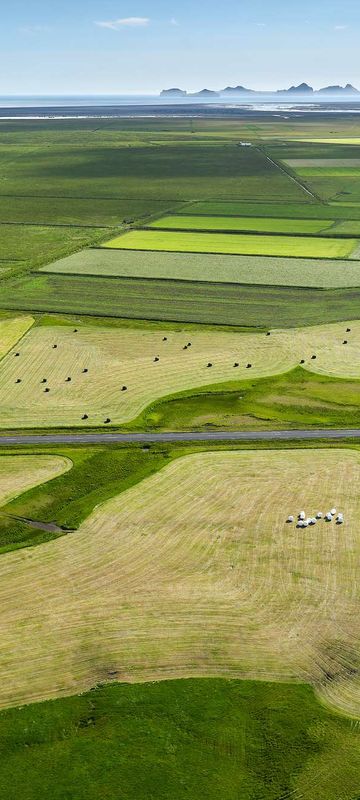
(211,268)
(34,245)
(271,209)
(332,163)
(62,374)
(102,169)
(11,330)
(181,301)
(19,473)
(178,241)
(271,225)
(76,211)
(199,545)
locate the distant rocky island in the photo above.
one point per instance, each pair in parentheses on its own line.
(303,89)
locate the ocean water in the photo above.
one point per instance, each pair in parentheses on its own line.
(73,106)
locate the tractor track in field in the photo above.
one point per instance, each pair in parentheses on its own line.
(180,436)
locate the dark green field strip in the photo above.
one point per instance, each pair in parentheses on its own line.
(77,211)
(180,740)
(213,303)
(175,172)
(273,209)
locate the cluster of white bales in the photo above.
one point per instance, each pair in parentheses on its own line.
(303,521)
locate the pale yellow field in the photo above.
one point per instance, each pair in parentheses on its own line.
(11,330)
(195,572)
(117,357)
(19,473)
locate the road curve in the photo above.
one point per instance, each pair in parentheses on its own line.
(207,436)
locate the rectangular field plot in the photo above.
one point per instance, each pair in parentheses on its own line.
(294,246)
(180,301)
(210,268)
(76,211)
(161,172)
(317,211)
(271,225)
(328,163)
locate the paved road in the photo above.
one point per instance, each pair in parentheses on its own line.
(208,436)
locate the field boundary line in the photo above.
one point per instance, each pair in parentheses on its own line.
(288,174)
(240,232)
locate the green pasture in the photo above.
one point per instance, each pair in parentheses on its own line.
(260,224)
(293,246)
(185,301)
(99,169)
(270,209)
(77,211)
(34,245)
(210,268)
(183,738)
(296,399)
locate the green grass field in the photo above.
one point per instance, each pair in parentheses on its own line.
(271,225)
(96,167)
(181,301)
(77,211)
(270,209)
(293,246)
(34,245)
(183,739)
(211,268)
(297,399)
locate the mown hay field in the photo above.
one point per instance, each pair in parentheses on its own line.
(19,473)
(195,572)
(11,330)
(293,246)
(62,375)
(211,267)
(213,223)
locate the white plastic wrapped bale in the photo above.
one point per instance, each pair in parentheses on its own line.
(302,515)
(328,516)
(290,518)
(319,515)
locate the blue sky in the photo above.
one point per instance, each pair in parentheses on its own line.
(134,46)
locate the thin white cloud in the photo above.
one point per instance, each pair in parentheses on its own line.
(125,22)
(261,24)
(340,27)
(174,21)
(32,30)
